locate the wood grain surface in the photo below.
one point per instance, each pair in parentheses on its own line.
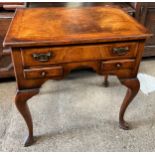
(61,26)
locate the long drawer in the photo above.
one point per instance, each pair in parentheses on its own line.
(57,55)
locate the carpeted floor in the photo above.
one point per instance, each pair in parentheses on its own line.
(79,114)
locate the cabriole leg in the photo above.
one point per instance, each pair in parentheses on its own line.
(133,86)
(21,104)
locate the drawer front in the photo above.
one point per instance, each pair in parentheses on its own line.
(122,68)
(116,65)
(46,72)
(46,56)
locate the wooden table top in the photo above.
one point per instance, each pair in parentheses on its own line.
(62,26)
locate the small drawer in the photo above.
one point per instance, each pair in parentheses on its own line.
(46,72)
(116,65)
(58,55)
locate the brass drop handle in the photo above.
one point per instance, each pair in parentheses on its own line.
(120,50)
(42,57)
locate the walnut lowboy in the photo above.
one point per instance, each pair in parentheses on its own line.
(105,39)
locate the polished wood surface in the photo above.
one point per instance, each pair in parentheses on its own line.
(104,39)
(62,26)
(126,6)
